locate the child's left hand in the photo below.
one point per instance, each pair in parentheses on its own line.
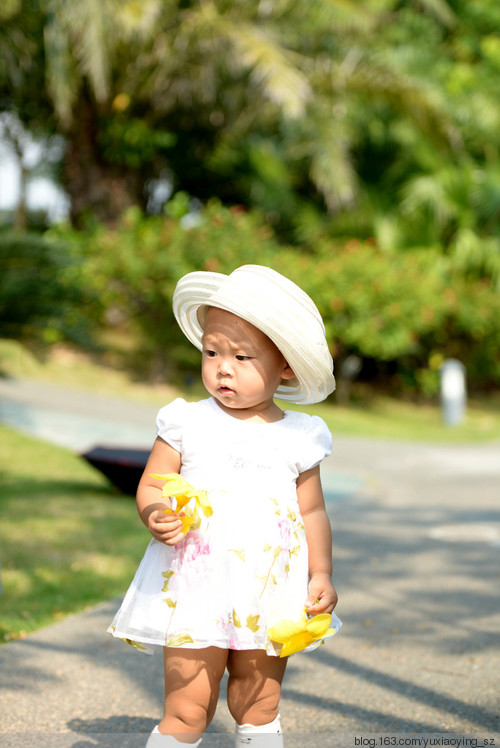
(322,597)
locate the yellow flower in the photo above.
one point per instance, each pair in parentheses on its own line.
(177,487)
(187,519)
(297,635)
(183,492)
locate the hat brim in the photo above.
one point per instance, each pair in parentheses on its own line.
(307,353)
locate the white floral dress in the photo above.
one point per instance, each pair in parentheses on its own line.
(245,567)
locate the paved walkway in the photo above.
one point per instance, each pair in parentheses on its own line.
(416,550)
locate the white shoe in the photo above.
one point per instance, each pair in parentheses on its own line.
(260,736)
(159,740)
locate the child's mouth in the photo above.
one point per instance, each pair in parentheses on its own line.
(226,390)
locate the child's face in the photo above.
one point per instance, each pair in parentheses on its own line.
(241,367)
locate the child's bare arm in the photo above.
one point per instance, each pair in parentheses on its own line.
(322,597)
(166,528)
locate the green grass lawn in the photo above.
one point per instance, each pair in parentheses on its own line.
(67,540)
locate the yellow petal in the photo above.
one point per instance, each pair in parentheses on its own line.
(330,632)
(177,487)
(318,626)
(174,484)
(187,521)
(167,477)
(181,500)
(296,644)
(283,630)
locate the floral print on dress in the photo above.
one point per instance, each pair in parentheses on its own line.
(189,567)
(288,545)
(241,633)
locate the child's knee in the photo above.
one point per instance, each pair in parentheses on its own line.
(248,703)
(187,715)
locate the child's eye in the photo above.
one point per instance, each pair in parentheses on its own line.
(210,354)
(242,358)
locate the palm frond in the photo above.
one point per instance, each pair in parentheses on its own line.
(79,42)
(92,25)
(271,68)
(428,193)
(331,168)
(61,82)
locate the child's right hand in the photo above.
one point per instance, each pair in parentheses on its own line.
(166,528)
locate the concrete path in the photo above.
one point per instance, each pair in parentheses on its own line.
(416,551)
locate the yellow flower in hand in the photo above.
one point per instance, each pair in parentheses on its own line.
(187,518)
(177,487)
(297,635)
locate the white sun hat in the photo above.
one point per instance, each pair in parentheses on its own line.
(277,307)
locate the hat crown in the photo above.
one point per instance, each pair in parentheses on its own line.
(258,284)
(277,307)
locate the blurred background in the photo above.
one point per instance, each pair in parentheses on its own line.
(353,146)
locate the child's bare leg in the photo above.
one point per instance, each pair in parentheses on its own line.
(192,682)
(254,686)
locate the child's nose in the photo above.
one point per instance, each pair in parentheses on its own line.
(224,366)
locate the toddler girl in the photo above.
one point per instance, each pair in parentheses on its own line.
(228,578)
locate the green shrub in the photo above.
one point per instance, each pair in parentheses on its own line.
(134,267)
(40,296)
(401,313)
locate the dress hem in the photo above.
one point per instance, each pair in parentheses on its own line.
(136,642)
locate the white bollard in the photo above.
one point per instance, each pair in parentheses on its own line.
(453,392)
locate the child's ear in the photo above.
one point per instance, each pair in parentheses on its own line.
(287,372)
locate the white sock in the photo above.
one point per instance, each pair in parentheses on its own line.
(159,740)
(260,736)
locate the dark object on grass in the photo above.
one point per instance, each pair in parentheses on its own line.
(123,467)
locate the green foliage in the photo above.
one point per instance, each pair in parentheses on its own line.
(401,313)
(133,268)
(301,109)
(367,119)
(131,142)
(405,312)
(40,297)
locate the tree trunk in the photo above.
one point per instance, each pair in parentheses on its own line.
(21,210)
(96,187)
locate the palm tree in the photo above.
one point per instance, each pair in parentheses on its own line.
(217,71)
(258,101)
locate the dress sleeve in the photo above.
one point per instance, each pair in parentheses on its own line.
(316,444)
(169,423)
